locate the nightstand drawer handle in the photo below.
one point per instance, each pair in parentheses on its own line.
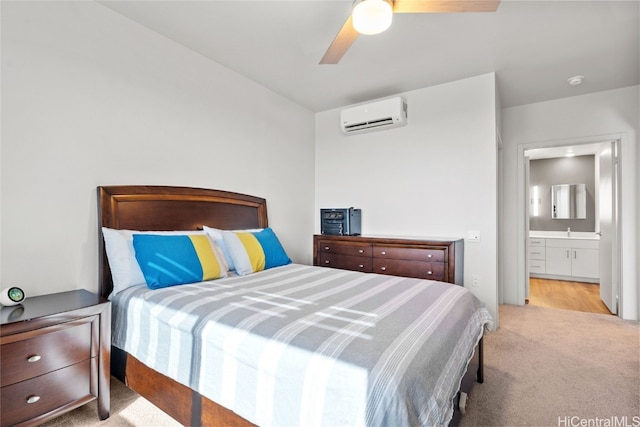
(34,358)
(383,253)
(429,272)
(360,251)
(327,261)
(33,399)
(383,268)
(326,248)
(361,266)
(429,256)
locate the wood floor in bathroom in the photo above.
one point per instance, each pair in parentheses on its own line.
(576,296)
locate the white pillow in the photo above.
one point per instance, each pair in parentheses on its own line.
(125,270)
(216,235)
(255,251)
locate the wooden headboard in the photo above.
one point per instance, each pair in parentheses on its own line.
(161,208)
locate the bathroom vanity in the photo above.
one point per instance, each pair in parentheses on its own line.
(573,258)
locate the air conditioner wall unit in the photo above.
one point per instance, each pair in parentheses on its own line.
(374,116)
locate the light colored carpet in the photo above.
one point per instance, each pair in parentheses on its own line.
(550,367)
(543,367)
(127,409)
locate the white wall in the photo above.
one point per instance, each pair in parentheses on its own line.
(598,116)
(90,98)
(435,177)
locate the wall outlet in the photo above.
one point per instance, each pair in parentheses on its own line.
(473,235)
(474,281)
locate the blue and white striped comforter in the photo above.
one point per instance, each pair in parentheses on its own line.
(300,345)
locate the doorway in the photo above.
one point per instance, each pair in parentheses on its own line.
(566,295)
(599,233)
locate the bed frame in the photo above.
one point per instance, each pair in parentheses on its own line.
(161,208)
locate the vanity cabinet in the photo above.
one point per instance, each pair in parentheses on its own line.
(537,256)
(569,259)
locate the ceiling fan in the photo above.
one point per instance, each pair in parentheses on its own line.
(378,13)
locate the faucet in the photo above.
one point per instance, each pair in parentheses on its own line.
(568,231)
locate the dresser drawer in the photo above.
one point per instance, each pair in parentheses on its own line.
(405,268)
(344,248)
(417,254)
(47,393)
(45,350)
(347,262)
(435,259)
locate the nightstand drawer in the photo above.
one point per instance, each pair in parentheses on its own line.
(347,262)
(333,247)
(45,350)
(417,254)
(46,393)
(419,269)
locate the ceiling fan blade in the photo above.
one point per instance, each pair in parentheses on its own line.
(346,36)
(441,6)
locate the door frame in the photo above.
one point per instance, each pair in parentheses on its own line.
(523,209)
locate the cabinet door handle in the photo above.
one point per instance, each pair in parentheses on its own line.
(575,254)
(568,254)
(327,261)
(429,273)
(34,358)
(361,266)
(326,248)
(383,268)
(360,251)
(33,398)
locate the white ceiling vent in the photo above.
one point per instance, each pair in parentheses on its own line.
(374,116)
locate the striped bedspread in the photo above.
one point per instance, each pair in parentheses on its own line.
(300,345)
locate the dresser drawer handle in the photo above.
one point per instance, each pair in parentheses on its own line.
(34,358)
(361,266)
(33,399)
(383,253)
(429,272)
(327,261)
(383,268)
(360,251)
(326,248)
(429,256)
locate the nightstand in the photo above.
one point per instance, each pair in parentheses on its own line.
(54,356)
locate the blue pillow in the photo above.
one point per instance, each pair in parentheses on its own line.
(169,260)
(255,251)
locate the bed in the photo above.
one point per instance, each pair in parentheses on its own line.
(290,345)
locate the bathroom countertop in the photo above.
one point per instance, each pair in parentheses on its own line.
(578,235)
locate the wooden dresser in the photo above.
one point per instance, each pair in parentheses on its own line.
(424,258)
(55,356)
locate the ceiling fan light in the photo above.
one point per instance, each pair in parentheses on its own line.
(372,16)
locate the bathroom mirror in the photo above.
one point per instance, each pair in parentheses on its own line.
(569,201)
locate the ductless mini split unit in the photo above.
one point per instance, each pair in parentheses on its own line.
(374,116)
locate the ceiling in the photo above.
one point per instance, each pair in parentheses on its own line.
(532,46)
